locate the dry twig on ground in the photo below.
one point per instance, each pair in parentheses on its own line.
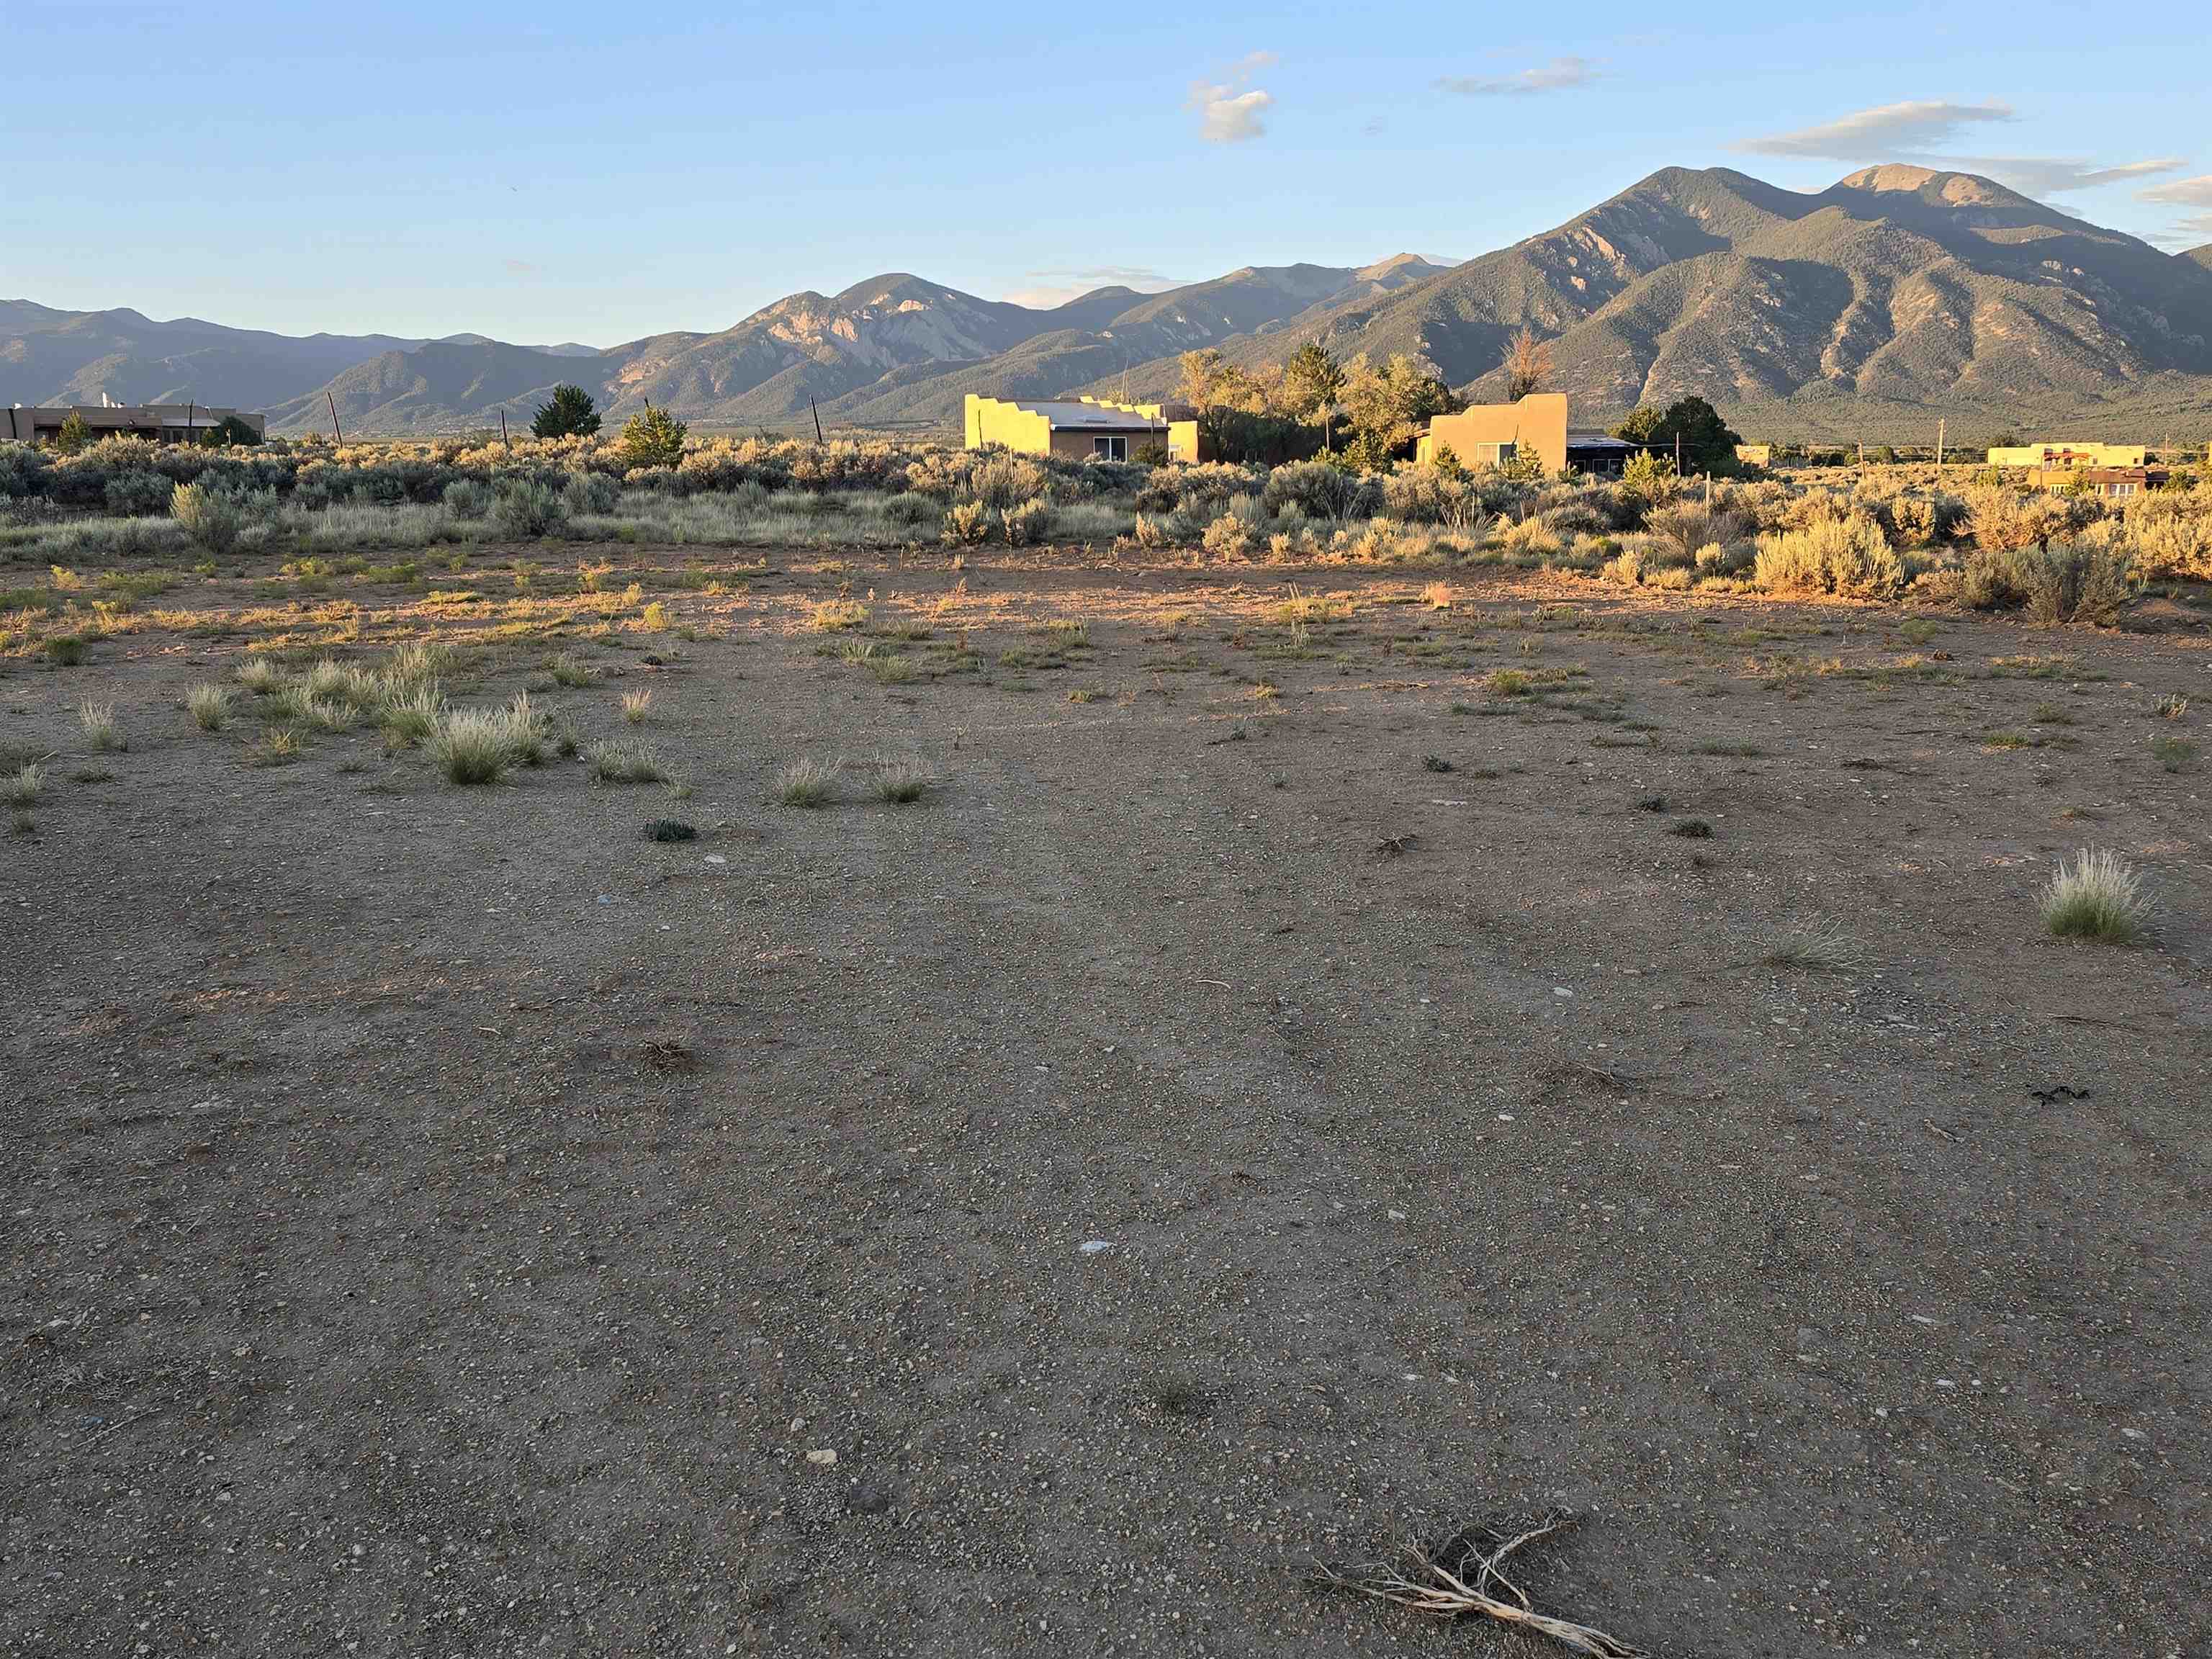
(1467,1575)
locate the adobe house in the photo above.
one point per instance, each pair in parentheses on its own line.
(1490,435)
(2114,484)
(167,423)
(2062,453)
(1079,428)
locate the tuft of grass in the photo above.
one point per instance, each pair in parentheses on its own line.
(473,745)
(260,676)
(67,650)
(623,763)
(2098,897)
(637,707)
(281,747)
(805,782)
(2170,707)
(655,618)
(1693,830)
(22,788)
(528,730)
(1651,803)
(100,730)
(2174,754)
(566,671)
(1511,683)
(209,705)
(834,616)
(1437,596)
(411,717)
(1819,948)
(901,781)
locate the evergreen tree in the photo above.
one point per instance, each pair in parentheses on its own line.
(570,413)
(653,439)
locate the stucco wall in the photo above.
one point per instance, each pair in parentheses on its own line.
(1538,422)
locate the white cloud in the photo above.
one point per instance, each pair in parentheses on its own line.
(1557,75)
(1883,133)
(2052,175)
(2182,192)
(2192,228)
(1229,113)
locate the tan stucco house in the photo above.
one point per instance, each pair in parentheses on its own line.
(1079,428)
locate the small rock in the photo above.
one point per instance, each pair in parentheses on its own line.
(1562,991)
(1095,1246)
(822,1455)
(868,1500)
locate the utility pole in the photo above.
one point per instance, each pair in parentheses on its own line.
(1939,452)
(816,414)
(504,444)
(337,436)
(191,409)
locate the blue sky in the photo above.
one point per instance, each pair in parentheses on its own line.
(599,173)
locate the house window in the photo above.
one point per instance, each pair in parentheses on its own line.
(1493,454)
(1110,449)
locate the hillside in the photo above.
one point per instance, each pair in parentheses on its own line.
(1897,293)
(1896,296)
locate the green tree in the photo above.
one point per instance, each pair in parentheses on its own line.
(73,435)
(1707,445)
(653,439)
(232,430)
(1388,406)
(1206,379)
(570,413)
(1313,381)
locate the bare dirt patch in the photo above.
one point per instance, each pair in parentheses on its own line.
(449,1219)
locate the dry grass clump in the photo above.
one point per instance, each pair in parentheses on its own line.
(834,616)
(208,704)
(100,730)
(473,745)
(2098,897)
(1819,948)
(2174,754)
(901,781)
(566,671)
(260,676)
(412,717)
(2170,707)
(637,707)
(623,763)
(22,788)
(805,782)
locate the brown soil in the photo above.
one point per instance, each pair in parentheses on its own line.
(444,1221)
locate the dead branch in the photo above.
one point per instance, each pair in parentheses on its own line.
(1421,1579)
(1395,846)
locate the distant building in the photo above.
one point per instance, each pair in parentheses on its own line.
(2113,483)
(1079,428)
(2062,454)
(1490,435)
(1755,455)
(167,423)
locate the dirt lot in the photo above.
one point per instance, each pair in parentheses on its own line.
(441,1220)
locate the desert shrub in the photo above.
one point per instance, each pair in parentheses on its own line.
(805,782)
(468,498)
(527,508)
(586,493)
(1531,538)
(1228,537)
(1029,523)
(1651,476)
(1681,528)
(2098,897)
(1924,520)
(910,511)
(209,705)
(23,469)
(136,493)
(1625,567)
(2000,519)
(2170,534)
(1004,480)
(1320,490)
(208,517)
(2062,582)
(1848,556)
(966,523)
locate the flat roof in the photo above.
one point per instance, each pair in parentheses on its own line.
(1061,412)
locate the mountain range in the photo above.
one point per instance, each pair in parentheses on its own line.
(1897,296)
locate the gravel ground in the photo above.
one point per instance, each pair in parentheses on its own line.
(444,1221)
